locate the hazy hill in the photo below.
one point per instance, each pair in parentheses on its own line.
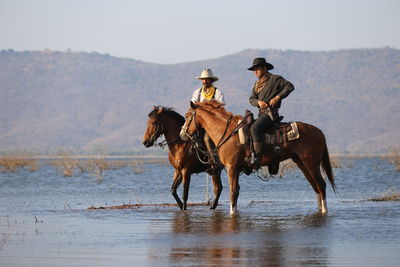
(90,100)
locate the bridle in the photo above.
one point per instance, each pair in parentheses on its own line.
(158,132)
(193,139)
(187,124)
(223,138)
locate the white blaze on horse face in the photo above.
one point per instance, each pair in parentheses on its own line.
(184,130)
(182,134)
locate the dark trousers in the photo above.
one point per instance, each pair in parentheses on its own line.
(261,124)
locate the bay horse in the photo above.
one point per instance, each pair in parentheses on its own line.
(182,156)
(309,152)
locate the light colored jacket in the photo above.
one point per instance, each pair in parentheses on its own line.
(199,97)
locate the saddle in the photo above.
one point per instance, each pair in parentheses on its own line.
(275,138)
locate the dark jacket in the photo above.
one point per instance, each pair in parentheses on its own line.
(276,85)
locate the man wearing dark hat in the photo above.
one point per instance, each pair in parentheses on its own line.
(267,93)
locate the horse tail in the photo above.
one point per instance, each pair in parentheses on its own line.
(326,164)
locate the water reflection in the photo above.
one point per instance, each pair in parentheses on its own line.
(214,223)
(218,239)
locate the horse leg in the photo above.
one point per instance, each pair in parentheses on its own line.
(233,177)
(186,184)
(315,172)
(175,184)
(216,179)
(310,179)
(322,193)
(319,201)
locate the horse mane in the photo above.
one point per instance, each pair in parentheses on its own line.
(214,104)
(169,112)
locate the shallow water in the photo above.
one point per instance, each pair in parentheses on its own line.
(44,220)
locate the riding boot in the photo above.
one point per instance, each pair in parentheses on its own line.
(259,151)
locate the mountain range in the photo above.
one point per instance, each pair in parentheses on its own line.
(90,101)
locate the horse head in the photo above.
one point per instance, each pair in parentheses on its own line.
(190,126)
(154,128)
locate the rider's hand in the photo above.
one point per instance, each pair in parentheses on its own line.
(262,104)
(274,101)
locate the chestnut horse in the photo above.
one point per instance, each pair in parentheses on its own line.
(182,155)
(309,152)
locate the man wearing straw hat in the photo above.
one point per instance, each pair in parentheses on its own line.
(267,94)
(208,92)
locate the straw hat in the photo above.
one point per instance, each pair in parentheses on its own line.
(207,73)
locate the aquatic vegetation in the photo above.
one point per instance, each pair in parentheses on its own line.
(70,164)
(66,164)
(4,239)
(286,167)
(11,162)
(394,158)
(390,195)
(342,161)
(137,166)
(140,205)
(336,162)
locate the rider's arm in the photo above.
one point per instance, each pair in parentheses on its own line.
(253,99)
(196,96)
(219,96)
(285,86)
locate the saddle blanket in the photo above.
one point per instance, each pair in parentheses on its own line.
(282,134)
(293,134)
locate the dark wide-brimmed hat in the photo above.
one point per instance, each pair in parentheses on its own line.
(260,61)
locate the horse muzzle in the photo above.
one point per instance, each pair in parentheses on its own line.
(147,143)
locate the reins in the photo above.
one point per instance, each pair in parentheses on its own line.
(162,144)
(221,142)
(222,139)
(194,143)
(240,125)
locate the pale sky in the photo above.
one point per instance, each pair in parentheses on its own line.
(174,31)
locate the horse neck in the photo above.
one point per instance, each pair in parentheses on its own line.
(171,131)
(214,125)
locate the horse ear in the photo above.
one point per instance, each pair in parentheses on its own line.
(160,110)
(192,105)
